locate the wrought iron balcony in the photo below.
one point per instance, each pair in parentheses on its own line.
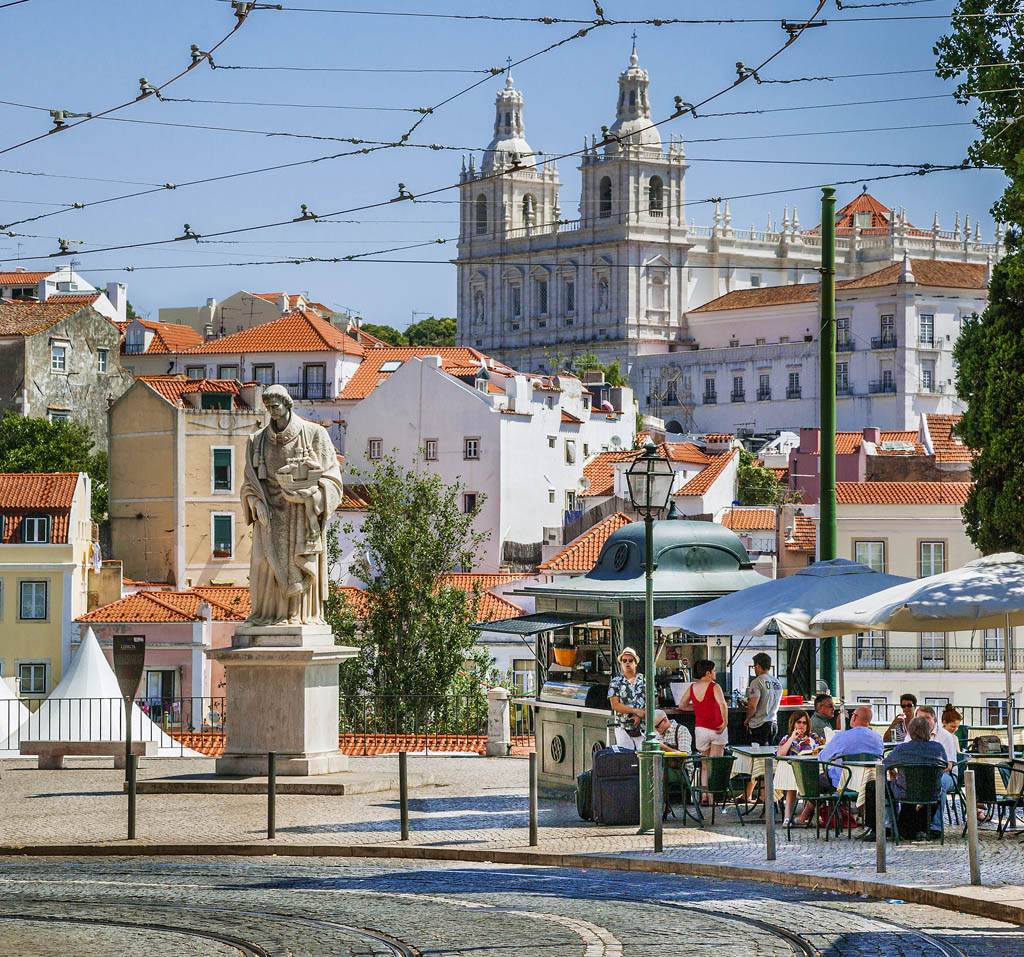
(884,342)
(881,385)
(764,394)
(844,388)
(306,390)
(740,396)
(793,392)
(845,345)
(710,399)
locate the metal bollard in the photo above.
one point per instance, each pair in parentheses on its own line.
(971,812)
(659,802)
(880,818)
(403,792)
(271,795)
(132,768)
(533,799)
(769,807)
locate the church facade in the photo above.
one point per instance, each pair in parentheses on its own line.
(624,278)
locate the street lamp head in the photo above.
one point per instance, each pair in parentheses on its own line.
(650,479)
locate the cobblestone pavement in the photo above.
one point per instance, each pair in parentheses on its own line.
(109,906)
(483,804)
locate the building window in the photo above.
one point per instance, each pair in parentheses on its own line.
(517,301)
(605,201)
(222,470)
(887,330)
(33,601)
(871,650)
(793,389)
(551,496)
(33,677)
(586,451)
(927,330)
(471,449)
(59,357)
(314,381)
(931,558)
(542,296)
(863,220)
(570,500)
(755,281)
(263,374)
(842,378)
(994,647)
(481,214)
(995,711)
(738,393)
(101,360)
(570,451)
(602,294)
(58,415)
(783,340)
(709,392)
(933,649)
(374,449)
(195,372)
(35,529)
(570,295)
(227,372)
(871,554)
(764,388)
(888,383)
(760,341)
(469,503)
(927,378)
(430,450)
(842,331)
(223,536)
(551,441)
(655,196)
(135,340)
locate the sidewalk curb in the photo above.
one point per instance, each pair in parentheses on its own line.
(944,899)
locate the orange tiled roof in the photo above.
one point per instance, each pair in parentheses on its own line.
(748,519)
(26,318)
(781,473)
(718,437)
(173,387)
(803,535)
(368,340)
(494,607)
(169,336)
(81,297)
(568,418)
(32,493)
(455,360)
(901,435)
(600,470)
(580,555)
(762,296)
(863,203)
(849,443)
(706,477)
(298,331)
(355,498)
(927,272)
(176,606)
(948,447)
(468,580)
(902,493)
(22,278)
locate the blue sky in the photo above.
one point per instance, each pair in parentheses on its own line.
(84,57)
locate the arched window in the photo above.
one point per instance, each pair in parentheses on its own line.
(632,97)
(605,204)
(508,119)
(655,196)
(481,213)
(529,209)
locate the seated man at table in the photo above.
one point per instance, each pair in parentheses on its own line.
(950,747)
(824,715)
(859,738)
(671,736)
(917,749)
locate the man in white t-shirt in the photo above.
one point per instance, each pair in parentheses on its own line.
(950,745)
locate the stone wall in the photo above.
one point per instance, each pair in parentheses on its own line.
(910,468)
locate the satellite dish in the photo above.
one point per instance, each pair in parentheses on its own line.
(616,441)
(584,482)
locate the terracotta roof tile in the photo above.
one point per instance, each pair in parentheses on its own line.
(902,493)
(22,278)
(568,418)
(492,607)
(34,493)
(227,603)
(600,470)
(804,537)
(707,477)
(927,272)
(718,437)
(293,300)
(863,203)
(948,447)
(580,555)
(467,580)
(23,318)
(81,297)
(169,337)
(368,340)
(355,498)
(297,331)
(762,296)
(173,387)
(456,360)
(904,437)
(748,519)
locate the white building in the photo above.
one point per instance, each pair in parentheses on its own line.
(243,310)
(518,443)
(622,279)
(64,285)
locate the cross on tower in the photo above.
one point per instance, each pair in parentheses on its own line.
(634,38)
(508,60)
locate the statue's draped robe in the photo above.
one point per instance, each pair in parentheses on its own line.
(288,573)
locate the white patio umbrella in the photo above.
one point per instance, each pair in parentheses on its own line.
(985,593)
(790,602)
(12,711)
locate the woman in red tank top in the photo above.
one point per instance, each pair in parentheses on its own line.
(706,699)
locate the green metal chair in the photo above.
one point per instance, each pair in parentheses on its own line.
(987,795)
(922,784)
(809,787)
(719,784)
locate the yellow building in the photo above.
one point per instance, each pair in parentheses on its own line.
(45,552)
(177,454)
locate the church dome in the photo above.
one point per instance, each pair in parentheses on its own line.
(509,131)
(633,112)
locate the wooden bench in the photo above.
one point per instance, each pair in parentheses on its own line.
(52,753)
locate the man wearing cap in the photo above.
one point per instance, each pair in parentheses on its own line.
(671,735)
(626,696)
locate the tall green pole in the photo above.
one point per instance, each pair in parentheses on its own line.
(827,411)
(650,745)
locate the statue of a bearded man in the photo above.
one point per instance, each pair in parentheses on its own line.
(292,487)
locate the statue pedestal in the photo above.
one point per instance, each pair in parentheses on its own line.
(282,695)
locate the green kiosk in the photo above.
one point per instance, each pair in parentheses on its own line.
(581,624)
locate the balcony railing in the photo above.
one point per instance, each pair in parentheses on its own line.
(928,342)
(934,387)
(793,392)
(710,399)
(881,385)
(883,342)
(844,388)
(740,396)
(928,659)
(845,345)
(764,394)
(306,390)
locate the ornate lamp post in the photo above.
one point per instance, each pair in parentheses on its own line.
(650,480)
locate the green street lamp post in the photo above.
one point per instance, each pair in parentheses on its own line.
(650,480)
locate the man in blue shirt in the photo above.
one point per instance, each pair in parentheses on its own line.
(859,738)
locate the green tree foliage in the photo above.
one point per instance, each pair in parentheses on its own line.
(432,332)
(388,334)
(990,349)
(589,361)
(413,632)
(129,310)
(756,485)
(39,445)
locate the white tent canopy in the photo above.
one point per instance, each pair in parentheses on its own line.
(87,706)
(12,712)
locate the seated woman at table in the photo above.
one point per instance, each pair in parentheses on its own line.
(797,741)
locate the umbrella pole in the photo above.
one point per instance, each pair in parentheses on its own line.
(840,677)
(1008,658)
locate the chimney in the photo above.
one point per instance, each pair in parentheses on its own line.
(810,440)
(873,435)
(117,293)
(43,291)
(282,302)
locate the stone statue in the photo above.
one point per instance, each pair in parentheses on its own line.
(292,487)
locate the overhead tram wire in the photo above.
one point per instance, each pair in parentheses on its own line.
(350,69)
(241,15)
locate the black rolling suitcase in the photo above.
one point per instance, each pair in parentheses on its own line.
(616,787)
(585,796)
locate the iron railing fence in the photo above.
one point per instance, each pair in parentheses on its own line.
(977,717)
(936,657)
